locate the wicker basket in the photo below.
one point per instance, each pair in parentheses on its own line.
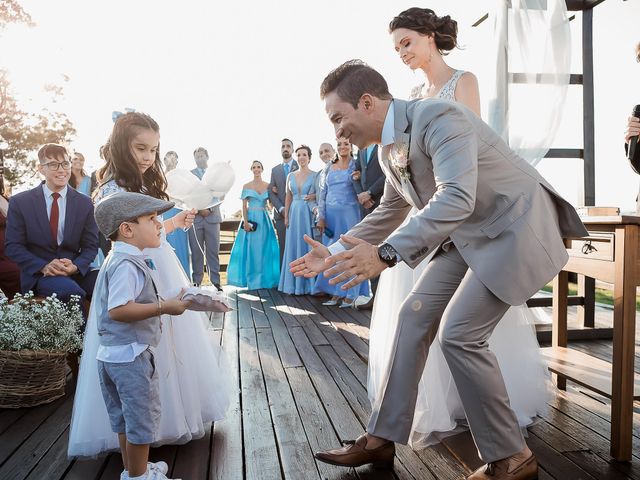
(29,378)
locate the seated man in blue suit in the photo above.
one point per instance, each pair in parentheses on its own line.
(51,233)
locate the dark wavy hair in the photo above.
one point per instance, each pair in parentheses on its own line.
(120,163)
(444,30)
(304,147)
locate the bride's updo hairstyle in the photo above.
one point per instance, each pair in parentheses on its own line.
(121,165)
(444,30)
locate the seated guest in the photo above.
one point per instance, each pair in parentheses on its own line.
(51,233)
(9,271)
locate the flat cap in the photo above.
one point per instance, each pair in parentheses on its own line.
(112,211)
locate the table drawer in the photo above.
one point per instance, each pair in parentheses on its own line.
(597,246)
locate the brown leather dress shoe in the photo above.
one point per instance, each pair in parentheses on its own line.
(511,468)
(355,453)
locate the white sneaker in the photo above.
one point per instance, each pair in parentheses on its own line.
(153,474)
(160,466)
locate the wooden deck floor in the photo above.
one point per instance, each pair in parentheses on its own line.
(301,373)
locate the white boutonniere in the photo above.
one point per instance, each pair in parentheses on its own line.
(400,160)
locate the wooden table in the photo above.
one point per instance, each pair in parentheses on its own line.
(610,254)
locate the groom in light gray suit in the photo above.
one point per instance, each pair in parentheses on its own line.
(278,189)
(497,228)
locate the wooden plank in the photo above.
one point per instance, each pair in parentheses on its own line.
(226,459)
(316,422)
(556,438)
(10,416)
(13,437)
(36,446)
(555,463)
(288,315)
(192,459)
(595,465)
(286,348)
(464,449)
(113,469)
(559,318)
(351,388)
(314,334)
(583,369)
(344,420)
(55,462)
(345,329)
(442,463)
(89,469)
(587,290)
(296,456)
(245,319)
(261,455)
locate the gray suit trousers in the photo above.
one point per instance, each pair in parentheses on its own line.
(281,231)
(449,301)
(205,235)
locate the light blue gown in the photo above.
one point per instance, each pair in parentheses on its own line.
(255,255)
(300,223)
(338,205)
(179,240)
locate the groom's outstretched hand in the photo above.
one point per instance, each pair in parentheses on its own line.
(313,262)
(357,264)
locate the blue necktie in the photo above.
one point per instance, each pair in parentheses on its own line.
(369,152)
(286,169)
(150,263)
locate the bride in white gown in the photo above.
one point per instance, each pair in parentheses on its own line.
(421,38)
(194,380)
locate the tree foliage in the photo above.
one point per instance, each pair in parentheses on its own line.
(24,132)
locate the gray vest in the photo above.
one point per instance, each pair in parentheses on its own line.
(111,332)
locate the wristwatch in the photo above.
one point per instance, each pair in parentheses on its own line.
(388,254)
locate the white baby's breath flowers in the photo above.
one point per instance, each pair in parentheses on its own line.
(49,325)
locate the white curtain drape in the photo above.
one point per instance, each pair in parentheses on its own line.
(531,39)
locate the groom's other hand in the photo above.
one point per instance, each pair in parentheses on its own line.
(357,264)
(313,262)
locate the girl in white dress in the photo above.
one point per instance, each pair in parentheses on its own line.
(421,38)
(194,381)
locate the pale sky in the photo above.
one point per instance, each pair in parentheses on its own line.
(236,77)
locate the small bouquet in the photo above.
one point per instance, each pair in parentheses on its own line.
(46,325)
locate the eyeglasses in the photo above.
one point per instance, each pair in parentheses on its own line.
(66,165)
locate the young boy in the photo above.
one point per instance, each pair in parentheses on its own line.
(129,326)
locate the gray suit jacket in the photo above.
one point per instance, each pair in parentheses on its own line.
(279,180)
(215,216)
(505,219)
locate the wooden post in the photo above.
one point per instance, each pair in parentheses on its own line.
(624,328)
(586,311)
(559,333)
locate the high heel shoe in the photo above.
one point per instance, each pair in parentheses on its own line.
(346,304)
(334,301)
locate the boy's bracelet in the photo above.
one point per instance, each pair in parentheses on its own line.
(174,224)
(159,307)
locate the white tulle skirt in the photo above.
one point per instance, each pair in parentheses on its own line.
(439,410)
(195,385)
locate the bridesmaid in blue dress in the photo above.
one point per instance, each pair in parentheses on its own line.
(338,211)
(79,178)
(255,255)
(178,239)
(298,218)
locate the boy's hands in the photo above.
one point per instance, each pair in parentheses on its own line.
(175,306)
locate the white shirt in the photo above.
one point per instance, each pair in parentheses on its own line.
(386,138)
(126,284)
(62,208)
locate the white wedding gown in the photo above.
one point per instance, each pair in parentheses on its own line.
(195,385)
(439,410)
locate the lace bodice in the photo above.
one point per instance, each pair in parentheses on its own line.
(447,92)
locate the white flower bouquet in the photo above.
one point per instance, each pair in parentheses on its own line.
(36,336)
(48,324)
